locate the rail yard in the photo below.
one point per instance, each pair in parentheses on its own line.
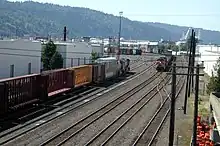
(130,111)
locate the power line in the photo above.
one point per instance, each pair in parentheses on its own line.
(173,15)
(150,60)
(40,51)
(218,53)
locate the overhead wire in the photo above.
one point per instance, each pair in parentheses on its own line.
(150,60)
(152,54)
(145,14)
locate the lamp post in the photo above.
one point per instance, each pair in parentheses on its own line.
(119,34)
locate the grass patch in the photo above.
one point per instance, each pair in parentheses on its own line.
(204,106)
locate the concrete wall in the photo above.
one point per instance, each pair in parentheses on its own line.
(215,103)
(99,48)
(19,53)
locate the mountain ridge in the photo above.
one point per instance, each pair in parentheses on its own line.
(41,19)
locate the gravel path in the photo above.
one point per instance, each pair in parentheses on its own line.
(45,131)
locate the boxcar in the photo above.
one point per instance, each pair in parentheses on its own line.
(82,75)
(112,68)
(18,92)
(131,51)
(58,81)
(128,52)
(98,73)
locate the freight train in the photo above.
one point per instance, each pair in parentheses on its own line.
(163,63)
(18,92)
(124,51)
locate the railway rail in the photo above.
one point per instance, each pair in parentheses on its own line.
(131,112)
(91,118)
(148,134)
(68,133)
(7,133)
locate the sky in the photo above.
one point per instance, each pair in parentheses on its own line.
(195,13)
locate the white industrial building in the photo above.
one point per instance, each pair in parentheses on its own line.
(19,57)
(209,54)
(152,47)
(77,53)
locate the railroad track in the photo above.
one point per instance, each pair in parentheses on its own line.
(68,108)
(80,125)
(148,134)
(127,115)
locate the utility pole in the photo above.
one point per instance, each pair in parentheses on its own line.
(187,91)
(64,34)
(172,112)
(109,45)
(193,58)
(119,35)
(172,108)
(102,54)
(190,62)
(196,106)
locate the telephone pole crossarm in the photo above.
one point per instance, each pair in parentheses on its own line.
(185,74)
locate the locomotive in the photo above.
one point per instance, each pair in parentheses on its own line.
(124,66)
(164,63)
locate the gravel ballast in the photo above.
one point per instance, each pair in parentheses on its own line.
(100,124)
(44,132)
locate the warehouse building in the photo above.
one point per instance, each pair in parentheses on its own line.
(19,57)
(77,53)
(209,54)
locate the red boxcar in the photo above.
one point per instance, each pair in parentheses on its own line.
(57,81)
(19,91)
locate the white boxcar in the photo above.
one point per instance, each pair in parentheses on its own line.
(112,69)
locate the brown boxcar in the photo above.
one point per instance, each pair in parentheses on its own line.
(19,91)
(59,81)
(83,75)
(3,98)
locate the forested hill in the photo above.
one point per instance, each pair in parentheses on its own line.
(32,18)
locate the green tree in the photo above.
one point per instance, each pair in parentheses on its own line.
(183,47)
(94,56)
(49,56)
(56,61)
(214,81)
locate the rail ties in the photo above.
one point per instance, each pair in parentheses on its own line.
(133,110)
(151,130)
(77,127)
(23,131)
